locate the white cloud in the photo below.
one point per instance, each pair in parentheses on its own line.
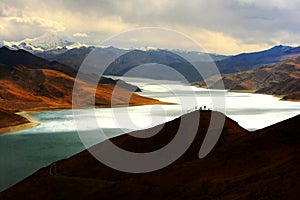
(80,34)
(225,44)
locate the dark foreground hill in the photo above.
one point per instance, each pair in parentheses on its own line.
(244,165)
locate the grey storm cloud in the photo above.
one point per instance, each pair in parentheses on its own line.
(249,21)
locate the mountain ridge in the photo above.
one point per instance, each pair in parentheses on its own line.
(247,61)
(74,55)
(282,79)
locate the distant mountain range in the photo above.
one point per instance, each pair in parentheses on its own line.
(178,60)
(54,48)
(243,165)
(154,59)
(62,49)
(256,65)
(246,61)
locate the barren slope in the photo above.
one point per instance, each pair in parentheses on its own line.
(277,79)
(259,165)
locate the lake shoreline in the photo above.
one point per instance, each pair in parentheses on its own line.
(282,97)
(28,122)
(17,128)
(33,122)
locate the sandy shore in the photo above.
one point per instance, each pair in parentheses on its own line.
(242,91)
(17,128)
(31,122)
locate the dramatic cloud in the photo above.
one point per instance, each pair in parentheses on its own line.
(219,26)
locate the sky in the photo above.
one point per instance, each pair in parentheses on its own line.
(219,26)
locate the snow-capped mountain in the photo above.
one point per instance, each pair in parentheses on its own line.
(147,48)
(46,42)
(196,56)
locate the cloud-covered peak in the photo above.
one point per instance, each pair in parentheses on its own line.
(47,41)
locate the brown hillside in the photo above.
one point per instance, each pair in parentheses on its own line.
(277,79)
(37,89)
(243,165)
